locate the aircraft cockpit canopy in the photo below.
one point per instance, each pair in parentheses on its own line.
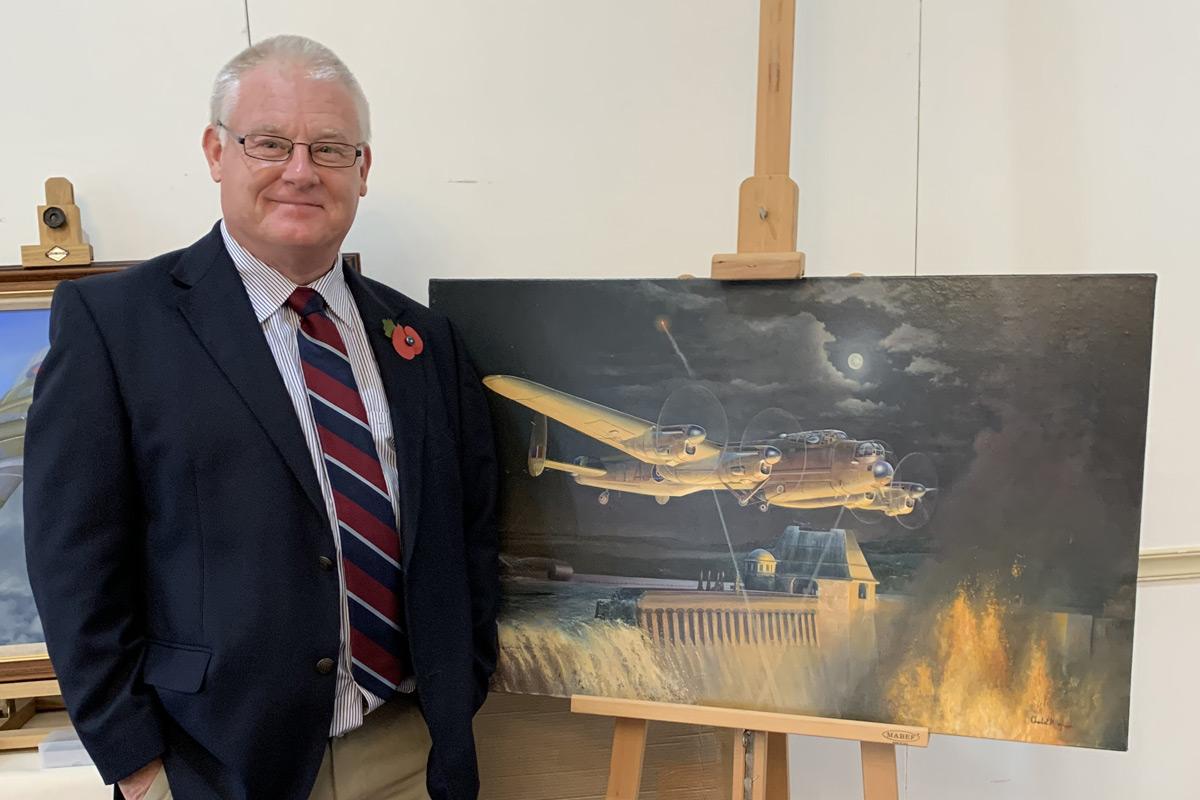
(816,437)
(867,449)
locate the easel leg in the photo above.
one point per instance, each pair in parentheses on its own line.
(749,765)
(625,767)
(14,714)
(777,766)
(17,713)
(879,771)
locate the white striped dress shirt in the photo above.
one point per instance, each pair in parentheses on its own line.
(268,291)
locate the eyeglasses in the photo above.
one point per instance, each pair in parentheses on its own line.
(266,147)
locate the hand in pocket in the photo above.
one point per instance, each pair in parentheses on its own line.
(148,783)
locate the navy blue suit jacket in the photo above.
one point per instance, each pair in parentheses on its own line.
(174,527)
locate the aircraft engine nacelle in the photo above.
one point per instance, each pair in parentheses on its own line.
(902,499)
(670,444)
(750,464)
(893,501)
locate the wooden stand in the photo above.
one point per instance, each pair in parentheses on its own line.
(759,748)
(768,202)
(767,217)
(60,231)
(20,701)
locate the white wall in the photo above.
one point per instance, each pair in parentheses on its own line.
(113,96)
(561,137)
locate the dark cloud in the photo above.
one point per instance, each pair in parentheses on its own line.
(888,295)
(937,371)
(675,298)
(909,338)
(854,407)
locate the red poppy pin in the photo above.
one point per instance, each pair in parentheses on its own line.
(404,338)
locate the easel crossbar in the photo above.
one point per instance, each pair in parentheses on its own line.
(771,722)
(28,689)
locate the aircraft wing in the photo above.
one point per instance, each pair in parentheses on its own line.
(625,432)
(601,423)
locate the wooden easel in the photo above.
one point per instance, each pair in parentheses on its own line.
(759,744)
(20,702)
(768,202)
(767,215)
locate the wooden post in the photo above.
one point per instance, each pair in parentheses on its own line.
(767,211)
(768,202)
(777,766)
(879,771)
(740,768)
(625,764)
(749,765)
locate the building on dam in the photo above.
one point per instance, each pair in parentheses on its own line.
(812,584)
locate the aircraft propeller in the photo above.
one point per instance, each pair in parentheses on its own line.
(691,416)
(749,468)
(916,473)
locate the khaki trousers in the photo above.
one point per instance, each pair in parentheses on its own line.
(382,760)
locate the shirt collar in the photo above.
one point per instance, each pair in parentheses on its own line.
(268,289)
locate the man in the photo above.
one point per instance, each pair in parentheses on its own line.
(260,488)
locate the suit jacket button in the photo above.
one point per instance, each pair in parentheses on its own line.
(325,666)
(325,563)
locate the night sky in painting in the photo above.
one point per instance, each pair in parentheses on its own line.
(1027,393)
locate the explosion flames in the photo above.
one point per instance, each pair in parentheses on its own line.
(974,678)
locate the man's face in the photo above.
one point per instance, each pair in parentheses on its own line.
(284,207)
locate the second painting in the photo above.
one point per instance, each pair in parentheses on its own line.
(24,340)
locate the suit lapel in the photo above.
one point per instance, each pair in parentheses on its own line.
(404,384)
(216,306)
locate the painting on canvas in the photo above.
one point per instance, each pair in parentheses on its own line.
(24,339)
(911,500)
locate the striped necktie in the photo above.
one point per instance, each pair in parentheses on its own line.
(369,538)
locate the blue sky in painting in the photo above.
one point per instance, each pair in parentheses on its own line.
(22,333)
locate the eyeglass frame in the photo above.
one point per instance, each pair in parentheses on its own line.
(241,139)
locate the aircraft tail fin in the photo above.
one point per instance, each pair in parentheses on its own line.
(537,446)
(538,462)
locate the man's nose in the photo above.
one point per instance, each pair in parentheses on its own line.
(300,167)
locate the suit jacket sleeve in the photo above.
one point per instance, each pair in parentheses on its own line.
(83,524)
(480,476)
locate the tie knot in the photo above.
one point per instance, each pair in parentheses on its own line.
(305,301)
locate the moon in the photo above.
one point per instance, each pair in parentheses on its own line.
(855,361)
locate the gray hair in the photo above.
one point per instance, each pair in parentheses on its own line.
(319,61)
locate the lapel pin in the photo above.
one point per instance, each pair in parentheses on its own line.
(405,339)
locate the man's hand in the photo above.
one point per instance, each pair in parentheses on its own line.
(136,785)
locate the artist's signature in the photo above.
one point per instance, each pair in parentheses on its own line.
(1042,719)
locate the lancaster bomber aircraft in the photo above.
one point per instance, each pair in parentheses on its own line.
(672,458)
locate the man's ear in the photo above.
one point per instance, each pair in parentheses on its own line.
(364,169)
(213,147)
